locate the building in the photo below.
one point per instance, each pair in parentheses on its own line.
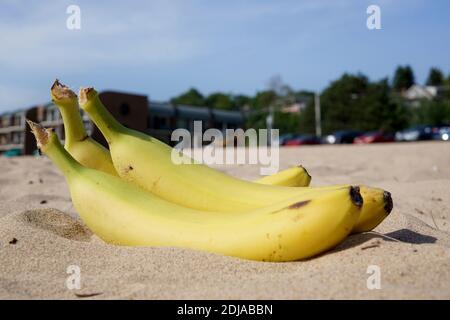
(417,92)
(158,119)
(12,131)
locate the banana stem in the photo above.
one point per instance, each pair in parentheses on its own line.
(48,142)
(73,125)
(90,102)
(67,102)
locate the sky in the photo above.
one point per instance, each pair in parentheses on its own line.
(163,47)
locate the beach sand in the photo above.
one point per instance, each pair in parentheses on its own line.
(41,236)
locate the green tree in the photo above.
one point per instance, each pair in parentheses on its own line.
(432,112)
(258,108)
(403,78)
(191,97)
(435,77)
(240,101)
(307,119)
(286,122)
(447,87)
(342,101)
(220,101)
(264,99)
(353,102)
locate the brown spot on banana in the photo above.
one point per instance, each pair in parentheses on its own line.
(299,204)
(355,196)
(297,217)
(127,169)
(388,203)
(294,206)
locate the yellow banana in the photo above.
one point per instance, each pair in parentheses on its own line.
(377,202)
(123,214)
(377,206)
(93,155)
(147,162)
(291,177)
(82,147)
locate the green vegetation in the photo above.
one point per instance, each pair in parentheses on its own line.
(350,102)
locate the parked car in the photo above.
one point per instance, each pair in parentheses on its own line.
(342,136)
(284,137)
(422,132)
(302,139)
(442,133)
(375,137)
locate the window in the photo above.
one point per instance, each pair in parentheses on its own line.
(161,122)
(17,138)
(5,121)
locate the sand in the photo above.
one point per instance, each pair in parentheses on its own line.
(41,236)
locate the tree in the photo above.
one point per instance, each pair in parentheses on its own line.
(403,78)
(435,77)
(258,110)
(447,87)
(263,99)
(240,101)
(286,122)
(434,112)
(307,119)
(220,101)
(191,97)
(277,85)
(342,103)
(353,102)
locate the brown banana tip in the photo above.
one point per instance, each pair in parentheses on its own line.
(40,133)
(304,169)
(356,197)
(388,203)
(60,91)
(56,83)
(85,94)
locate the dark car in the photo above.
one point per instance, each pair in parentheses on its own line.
(342,136)
(375,137)
(302,139)
(442,133)
(422,132)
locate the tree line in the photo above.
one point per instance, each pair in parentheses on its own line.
(351,102)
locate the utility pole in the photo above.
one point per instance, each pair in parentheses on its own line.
(269,123)
(317,113)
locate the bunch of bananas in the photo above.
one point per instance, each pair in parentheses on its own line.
(135,195)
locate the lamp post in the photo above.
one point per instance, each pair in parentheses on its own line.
(317,114)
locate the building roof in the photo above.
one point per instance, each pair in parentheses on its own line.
(194,112)
(420,92)
(167,109)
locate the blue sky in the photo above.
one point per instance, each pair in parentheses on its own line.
(162,48)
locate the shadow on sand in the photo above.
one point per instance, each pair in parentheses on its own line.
(402,235)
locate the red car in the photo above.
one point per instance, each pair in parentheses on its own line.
(301,139)
(374,137)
